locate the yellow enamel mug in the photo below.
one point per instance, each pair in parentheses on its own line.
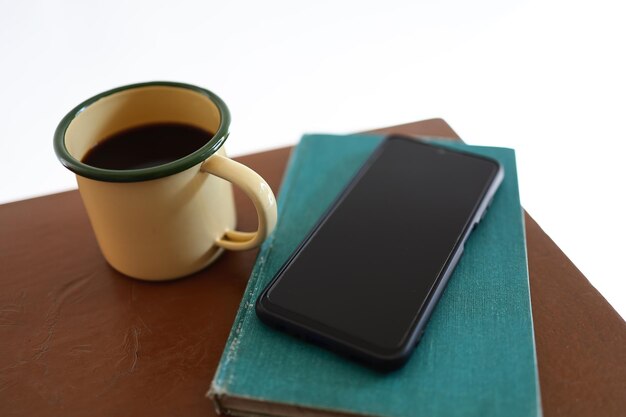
(170,220)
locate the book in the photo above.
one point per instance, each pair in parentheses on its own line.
(476,358)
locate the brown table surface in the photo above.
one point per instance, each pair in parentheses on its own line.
(77,338)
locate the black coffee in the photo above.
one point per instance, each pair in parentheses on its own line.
(147,146)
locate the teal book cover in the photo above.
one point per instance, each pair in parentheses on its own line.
(476,358)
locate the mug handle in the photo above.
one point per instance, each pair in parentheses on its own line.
(256,189)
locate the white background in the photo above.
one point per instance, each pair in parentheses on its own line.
(544,77)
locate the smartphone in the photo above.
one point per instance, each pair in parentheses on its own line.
(365,280)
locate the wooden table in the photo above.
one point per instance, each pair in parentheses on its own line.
(77,338)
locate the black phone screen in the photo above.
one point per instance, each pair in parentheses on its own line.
(368,267)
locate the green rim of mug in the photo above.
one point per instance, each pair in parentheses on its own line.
(144,174)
